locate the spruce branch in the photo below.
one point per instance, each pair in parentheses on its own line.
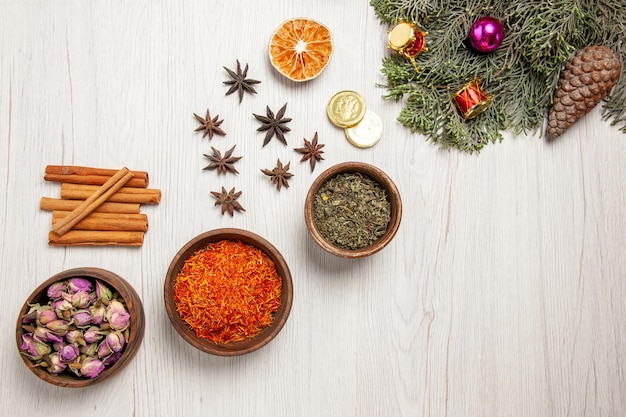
(521,75)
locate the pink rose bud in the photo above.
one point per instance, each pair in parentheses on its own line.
(69,353)
(64,309)
(111,359)
(97,312)
(104,350)
(79,284)
(91,367)
(93,334)
(56,290)
(56,365)
(30,317)
(34,349)
(115,341)
(82,318)
(47,315)
(117,316)
(90,349)
(45,335)
(58,327)
(103,293)
(75,337)
(81,299)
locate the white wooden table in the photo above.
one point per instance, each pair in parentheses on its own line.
(503,293)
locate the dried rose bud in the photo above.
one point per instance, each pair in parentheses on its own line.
(79,284)
(45,335)
(32,348)
(104,350)
(75,337)
(82,318)
(46,316)
(56,290)
(89,350)
(81,299)
(97,312)
(30,317)
(91,367)
(69,353)
(93,334)
(111,359)
(59,327)
(55,363)
(64,309)
(117,316)
(103,293)
(115,341)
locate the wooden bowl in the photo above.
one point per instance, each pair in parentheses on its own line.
(239,347)
(383,180)
(135,335)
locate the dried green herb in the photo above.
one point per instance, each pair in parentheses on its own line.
(351,211)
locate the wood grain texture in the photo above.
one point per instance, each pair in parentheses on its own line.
(502,294)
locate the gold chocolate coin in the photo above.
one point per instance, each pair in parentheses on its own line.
(346,108)
(367,132)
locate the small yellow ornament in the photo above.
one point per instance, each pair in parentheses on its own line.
(407,40)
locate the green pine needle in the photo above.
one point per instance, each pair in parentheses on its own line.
(521,74)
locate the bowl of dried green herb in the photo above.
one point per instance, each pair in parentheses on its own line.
(353,210)
(228,292)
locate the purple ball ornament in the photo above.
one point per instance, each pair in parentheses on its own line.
(486,34)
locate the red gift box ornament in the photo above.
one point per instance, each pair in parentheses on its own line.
(471,99)
(407,40)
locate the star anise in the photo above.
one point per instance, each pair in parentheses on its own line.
(223,164)
(274,125)
(311,151)
(239,81)
(279,175)
(228,200)
(210,126)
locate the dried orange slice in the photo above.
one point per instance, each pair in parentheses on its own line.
(301,48)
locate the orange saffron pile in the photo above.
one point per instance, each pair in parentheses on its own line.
(228,291)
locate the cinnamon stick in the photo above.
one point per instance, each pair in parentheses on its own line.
(107,221)
(124,194)
(96,238)
(99,196)
(88,175)
(50,204)
(91,179)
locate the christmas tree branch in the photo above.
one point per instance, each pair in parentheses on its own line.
(521,74)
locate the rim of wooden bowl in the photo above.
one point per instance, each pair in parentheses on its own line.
(377,175)
(234,348)
(135,338)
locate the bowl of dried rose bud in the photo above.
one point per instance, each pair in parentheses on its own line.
(79,327)
(228,292)
(353,210)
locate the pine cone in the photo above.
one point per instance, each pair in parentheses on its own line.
(587,79)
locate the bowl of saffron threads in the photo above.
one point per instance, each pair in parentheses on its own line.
(228,292)
(353,210)
(80,327)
